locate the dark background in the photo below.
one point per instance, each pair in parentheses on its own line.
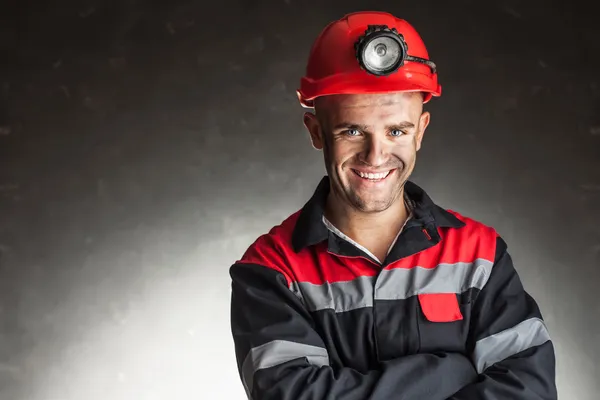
(145,144)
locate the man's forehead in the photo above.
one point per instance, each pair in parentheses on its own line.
(340,101)
(404,105)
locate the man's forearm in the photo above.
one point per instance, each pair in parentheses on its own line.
(512,350)
(415,377)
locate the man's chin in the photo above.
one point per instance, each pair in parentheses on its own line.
(369,204)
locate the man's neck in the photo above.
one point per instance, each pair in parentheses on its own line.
(366,228)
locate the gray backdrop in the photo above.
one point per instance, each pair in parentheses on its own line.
(145,144)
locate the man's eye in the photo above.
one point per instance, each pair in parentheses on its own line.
(352,132)
(396,132)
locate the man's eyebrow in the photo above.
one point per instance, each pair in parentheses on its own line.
(350,125)
(401,125)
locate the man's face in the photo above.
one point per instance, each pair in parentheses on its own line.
(370,142)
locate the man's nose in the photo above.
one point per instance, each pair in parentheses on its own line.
(375,153)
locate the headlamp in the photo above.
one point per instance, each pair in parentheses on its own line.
(381,51)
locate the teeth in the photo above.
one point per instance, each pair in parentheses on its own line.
(380,175)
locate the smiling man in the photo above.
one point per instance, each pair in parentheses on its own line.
(371,290)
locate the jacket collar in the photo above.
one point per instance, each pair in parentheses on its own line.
(310,229)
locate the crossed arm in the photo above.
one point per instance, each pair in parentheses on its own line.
(281,356)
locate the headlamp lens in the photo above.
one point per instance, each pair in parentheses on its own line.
(382,53)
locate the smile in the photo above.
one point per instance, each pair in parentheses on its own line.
(373,177)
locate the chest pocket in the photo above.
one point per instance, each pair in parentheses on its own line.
(443,321)
(440,307)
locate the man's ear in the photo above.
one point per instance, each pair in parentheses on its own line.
(314,129)
(423,123)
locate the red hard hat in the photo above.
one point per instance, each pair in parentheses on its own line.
(334,66)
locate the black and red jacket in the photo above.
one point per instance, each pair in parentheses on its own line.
(443,317)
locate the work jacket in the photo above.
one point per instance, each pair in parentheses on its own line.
(444,316)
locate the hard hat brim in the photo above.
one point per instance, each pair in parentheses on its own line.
(362,83)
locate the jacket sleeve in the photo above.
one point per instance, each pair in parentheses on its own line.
(281,356)
(508,340)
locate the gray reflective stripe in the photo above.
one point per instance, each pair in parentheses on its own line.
(278,352)
(402,283)
(394,284)
(492,349)
(339,296)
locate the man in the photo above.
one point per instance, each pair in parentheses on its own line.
(371,290)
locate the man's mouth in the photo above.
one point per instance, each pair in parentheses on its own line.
(373,176)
